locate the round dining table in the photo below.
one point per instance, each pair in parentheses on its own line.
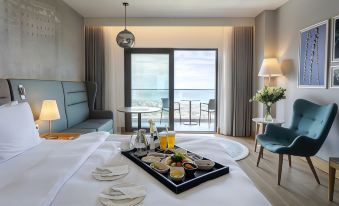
(139,111)
(190,111)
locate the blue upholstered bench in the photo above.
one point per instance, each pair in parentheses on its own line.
(75,102)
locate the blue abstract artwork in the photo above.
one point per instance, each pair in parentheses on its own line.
(313,56)
(336,39)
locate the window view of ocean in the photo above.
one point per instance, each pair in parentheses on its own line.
(194,79)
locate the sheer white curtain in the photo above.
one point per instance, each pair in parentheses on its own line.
(114,58)
(225,84)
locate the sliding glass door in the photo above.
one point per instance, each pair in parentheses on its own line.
(180,82)
(195,89)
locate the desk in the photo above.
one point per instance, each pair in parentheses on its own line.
(60,136)
(139,111)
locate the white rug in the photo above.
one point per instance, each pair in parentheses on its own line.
(234,149)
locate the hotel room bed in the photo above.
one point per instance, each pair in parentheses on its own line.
(58,173)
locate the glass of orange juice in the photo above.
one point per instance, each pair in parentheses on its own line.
(163,140)
(170,139)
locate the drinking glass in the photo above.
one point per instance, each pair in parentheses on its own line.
(171,139)
(163,140)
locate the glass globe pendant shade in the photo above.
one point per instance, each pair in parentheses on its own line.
(125,39)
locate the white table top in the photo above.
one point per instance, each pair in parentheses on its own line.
(263,121)
(138,109)
(190,100)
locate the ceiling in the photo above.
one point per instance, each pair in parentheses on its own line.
(173,8)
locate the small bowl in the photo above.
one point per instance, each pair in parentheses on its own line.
(177,173)
(159,167)
(204,164)
(190,171)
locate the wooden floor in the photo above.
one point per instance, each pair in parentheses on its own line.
(298,185)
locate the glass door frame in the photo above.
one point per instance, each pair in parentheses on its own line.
(128,82)
(170,51)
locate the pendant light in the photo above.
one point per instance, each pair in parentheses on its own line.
(125,38)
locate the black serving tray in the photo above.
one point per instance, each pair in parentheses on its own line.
(188,182)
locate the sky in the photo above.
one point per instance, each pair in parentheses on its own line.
(192,70)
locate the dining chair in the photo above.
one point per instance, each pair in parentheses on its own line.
(210,109)
(165,107)
(310,126)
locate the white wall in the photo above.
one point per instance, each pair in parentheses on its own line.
(288,21)
(162,37)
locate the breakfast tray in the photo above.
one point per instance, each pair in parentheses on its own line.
(188,182)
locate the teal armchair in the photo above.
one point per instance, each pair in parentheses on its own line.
(310,126)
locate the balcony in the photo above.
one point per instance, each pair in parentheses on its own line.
(152,98)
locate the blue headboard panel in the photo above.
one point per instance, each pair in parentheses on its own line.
(76,102)
(36,92)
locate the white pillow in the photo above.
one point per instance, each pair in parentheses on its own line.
(9,104)
(17,130)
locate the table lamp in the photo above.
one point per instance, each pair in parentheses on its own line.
(270,68)
(49,112)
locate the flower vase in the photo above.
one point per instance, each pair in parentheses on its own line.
(268,115)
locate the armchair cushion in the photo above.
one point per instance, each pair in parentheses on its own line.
(309,129)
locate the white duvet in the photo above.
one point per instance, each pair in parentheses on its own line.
(58,173)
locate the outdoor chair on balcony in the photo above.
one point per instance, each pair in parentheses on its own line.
(210,109)
(165,107)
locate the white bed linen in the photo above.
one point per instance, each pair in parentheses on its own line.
(50,182)
(34,177)
(233,189)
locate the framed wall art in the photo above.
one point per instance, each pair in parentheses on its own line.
(335,39)
(312,72)
(334,77)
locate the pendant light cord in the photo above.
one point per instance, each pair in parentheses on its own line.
(125,4)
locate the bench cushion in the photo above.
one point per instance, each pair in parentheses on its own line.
(97,124)
(79,130)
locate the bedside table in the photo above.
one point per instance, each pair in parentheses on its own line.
(60,136)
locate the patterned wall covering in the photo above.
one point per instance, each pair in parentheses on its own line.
(31,38)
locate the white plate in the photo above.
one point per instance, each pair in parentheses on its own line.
(125,202)
(150,159)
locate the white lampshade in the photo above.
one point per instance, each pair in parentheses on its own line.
(49,110)
(270,68)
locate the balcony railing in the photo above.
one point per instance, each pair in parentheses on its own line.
(152,98)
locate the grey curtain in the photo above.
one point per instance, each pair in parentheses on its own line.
(242,69)
(95,62)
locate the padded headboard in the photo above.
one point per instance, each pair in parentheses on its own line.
(76,102)
(5,94)
(36,92)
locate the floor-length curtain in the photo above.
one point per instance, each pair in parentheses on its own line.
(95,62)
(114,61)
(225,112)
(235,82)
(242,70)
